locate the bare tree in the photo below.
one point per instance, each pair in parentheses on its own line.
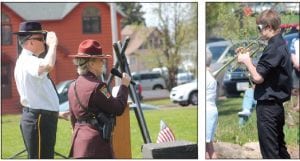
(173,20)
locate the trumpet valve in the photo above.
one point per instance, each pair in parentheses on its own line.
(240,50)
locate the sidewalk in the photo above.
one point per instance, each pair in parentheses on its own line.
(155,94)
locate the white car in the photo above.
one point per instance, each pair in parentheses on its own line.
(185,94)
(182,78)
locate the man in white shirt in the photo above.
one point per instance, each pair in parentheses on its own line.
(38,96)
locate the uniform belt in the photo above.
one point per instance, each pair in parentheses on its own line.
(40,111)
(268,102)
(87,121)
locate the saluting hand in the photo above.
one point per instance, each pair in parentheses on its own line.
(125,79)
(51,39)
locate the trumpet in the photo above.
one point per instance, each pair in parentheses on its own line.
(252,48)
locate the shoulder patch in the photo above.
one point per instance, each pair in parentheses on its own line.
(105,91)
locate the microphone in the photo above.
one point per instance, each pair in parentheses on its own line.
(115,72)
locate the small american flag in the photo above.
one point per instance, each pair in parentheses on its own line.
(165,134)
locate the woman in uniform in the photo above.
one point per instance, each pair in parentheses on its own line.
(88,98)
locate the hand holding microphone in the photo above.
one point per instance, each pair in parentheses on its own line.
(126,79)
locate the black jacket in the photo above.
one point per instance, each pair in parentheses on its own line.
(275,67)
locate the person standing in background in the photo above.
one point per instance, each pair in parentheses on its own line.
(211,109)
(296,72)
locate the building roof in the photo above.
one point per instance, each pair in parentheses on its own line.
(44,11)
(138,36)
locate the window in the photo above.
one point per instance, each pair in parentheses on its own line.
(6,37)
(6,89)
(135,77)
(150,76)
(145,76)
(91,20)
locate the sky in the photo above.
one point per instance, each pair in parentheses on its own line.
(150,18)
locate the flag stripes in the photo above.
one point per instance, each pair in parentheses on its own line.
(165,134)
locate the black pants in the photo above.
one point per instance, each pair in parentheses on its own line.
(270,121)
(39,132)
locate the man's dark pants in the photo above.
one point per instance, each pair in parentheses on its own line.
(39,132)
(270,122)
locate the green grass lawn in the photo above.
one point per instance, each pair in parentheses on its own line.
(228,129)
(12,141)
(183,122)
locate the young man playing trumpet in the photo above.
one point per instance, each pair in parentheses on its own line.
(272,77)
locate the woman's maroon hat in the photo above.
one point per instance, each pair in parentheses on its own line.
(90,49)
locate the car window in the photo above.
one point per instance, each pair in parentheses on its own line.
(157,75)
(216,52)
(62,85)
(231,52)
(135,77)
(145,76)
(150,76)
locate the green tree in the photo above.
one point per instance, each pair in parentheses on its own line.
(133,13)
(228,20)
(212,14)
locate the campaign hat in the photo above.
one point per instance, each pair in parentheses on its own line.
(29,28)
(90,49)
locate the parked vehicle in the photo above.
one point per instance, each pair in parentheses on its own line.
(214,39)
(218,50)
(182,78)
(149,80)
(163,71)
(185,94)
(235,82)
(62,90)
(139,90)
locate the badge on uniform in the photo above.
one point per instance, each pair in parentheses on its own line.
(104,90)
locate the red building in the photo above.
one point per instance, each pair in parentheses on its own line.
(72,22)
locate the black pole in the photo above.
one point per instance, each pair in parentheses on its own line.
(125,68)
